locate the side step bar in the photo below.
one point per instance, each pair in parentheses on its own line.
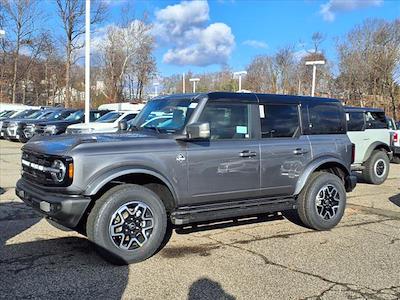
(219,211)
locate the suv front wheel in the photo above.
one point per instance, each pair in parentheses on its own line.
(127,224)
(322,201)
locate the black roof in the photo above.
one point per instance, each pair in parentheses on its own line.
(363,109)
(250,97)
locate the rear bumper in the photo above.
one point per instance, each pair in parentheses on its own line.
(350,182)
(66,210)
(396,150)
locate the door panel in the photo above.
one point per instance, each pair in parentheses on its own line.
(282,162)
(223,170)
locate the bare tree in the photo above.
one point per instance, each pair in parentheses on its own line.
(22,17)
(72,16)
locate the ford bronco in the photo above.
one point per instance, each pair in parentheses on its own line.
(216,156)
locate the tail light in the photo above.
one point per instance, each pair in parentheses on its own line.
(353,153)
(395,137)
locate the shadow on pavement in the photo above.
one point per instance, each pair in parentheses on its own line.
(205,288)
(395,199)
(52,268)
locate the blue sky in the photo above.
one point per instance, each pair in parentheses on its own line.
(202,35)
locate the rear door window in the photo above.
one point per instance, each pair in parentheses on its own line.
(355,121)
(279,121)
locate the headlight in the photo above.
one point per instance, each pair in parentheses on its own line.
(59,170)
(51,129)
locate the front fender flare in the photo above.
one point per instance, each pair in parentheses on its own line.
(105,177)
(314,165)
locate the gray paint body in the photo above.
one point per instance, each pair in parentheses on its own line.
(211,170)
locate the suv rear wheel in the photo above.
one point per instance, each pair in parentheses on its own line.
(127,224)
(322,201)
(376,167)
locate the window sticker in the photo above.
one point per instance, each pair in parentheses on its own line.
(241,129)
(193,105)
(347,117)
(262,113)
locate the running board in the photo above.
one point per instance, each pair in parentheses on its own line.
(226,210)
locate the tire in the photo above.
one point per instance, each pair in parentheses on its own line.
(23,140)
(143,240)
(373,167)
(396,159)
(312,210)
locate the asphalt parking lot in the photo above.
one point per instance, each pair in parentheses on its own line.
(257,259)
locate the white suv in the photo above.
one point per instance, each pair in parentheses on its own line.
(368,130)
(106,124)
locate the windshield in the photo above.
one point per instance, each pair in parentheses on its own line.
(109,117)
(6,113)
(25,114)
(165,115)
(75,116)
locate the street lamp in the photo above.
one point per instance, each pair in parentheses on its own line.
(314,63)
(87,62)
(239,75)
(194,80)
(156,84)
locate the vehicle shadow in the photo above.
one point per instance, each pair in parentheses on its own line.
(51,268)
(227,223)
(395,199)
(205,288)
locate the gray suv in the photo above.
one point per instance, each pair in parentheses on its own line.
(190,159)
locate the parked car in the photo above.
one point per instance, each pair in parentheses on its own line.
(16,126)
(106,124)
(367,128)
(26,128)
(222,155)
(59,126)
(30,113)
(395,139)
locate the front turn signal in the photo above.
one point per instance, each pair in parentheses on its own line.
(71,171)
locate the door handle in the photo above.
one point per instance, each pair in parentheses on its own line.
(299,151)
(247,153)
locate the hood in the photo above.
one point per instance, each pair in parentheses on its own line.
(93,125)
(60,123)
(62,144)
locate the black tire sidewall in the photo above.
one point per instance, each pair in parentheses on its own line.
(114,201)
(314,219)
(377,155)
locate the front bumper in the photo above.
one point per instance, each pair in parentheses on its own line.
(350,182)
(66,210)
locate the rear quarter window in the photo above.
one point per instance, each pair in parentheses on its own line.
(324,118)
(376,120)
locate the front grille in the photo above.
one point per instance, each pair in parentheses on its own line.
(34,174)
(40,129)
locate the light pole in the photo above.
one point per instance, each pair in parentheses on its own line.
(87,62)
(194,80)
(239,75)
(156,84)
(314,63)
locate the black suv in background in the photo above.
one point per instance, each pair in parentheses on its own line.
(215,156)
(10,126)
(26,128)
(59,126)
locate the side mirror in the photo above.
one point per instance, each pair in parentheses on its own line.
(198,131)
(122,125)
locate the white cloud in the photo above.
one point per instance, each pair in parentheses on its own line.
(329,9)
(256,44)
(183,28)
